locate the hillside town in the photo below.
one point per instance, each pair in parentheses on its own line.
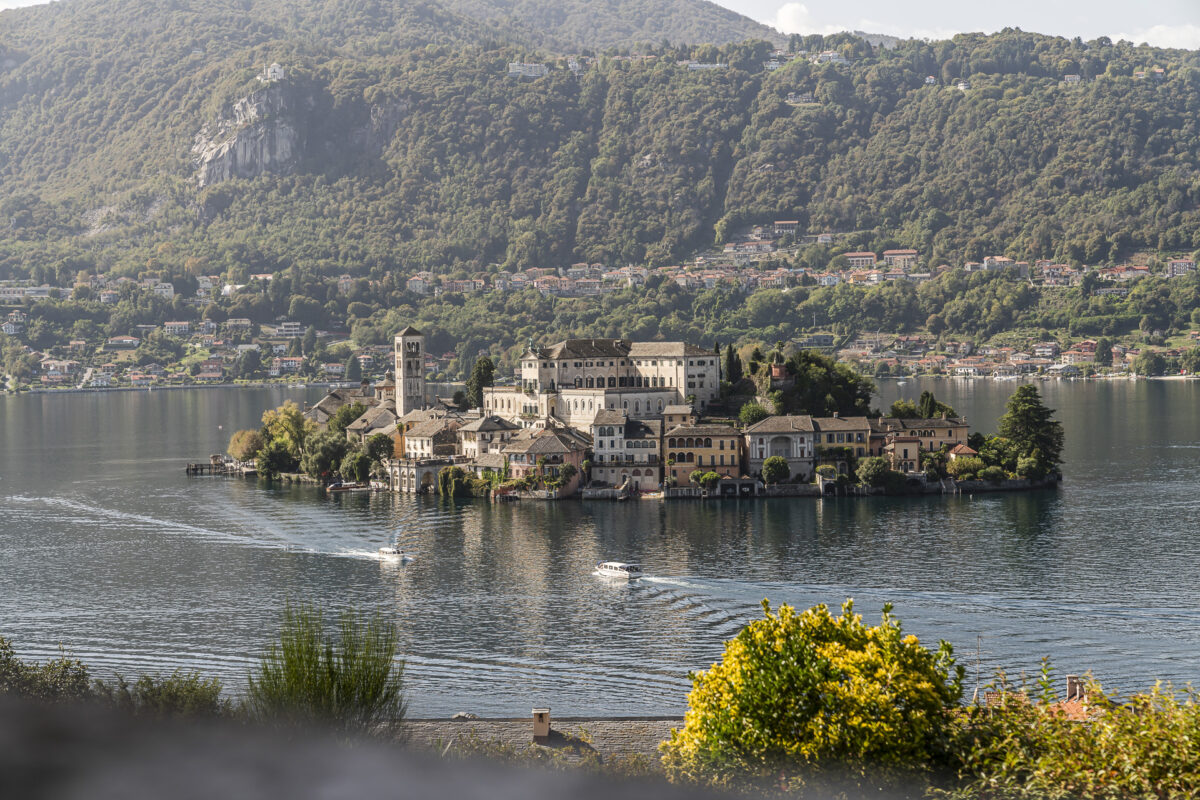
(611,417)
(206,347)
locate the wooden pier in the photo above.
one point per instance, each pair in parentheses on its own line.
(219,465)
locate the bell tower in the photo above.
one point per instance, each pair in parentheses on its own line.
(410,370)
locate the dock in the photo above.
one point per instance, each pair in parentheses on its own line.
(220,465)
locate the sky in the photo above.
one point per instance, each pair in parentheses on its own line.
(1166,23)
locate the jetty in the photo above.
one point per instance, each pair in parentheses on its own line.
(220,465)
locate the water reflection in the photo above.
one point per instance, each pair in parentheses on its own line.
(109,549)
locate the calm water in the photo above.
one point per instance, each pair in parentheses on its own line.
(109,550)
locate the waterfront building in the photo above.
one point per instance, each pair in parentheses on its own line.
(705,447)
(793,438)
(485,435)
(545,451)
(840,441)
(626,450)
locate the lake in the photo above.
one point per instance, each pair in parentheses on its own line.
(108,550)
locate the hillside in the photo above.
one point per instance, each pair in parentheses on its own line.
(138,135)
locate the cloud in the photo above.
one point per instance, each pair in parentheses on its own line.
(796,18)
(1185,36)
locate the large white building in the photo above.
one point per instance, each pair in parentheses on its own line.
(574,379)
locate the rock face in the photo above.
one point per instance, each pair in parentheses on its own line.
(260,133)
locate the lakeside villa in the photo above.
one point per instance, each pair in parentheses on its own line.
(624,416)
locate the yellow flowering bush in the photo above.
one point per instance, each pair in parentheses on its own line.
(800,693)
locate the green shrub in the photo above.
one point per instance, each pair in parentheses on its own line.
(992,474)
(873,471)
(775,469)
(1146,746)
(827,471)
(964,468)
(752,413)
(351,682)
(180,694)
(798,694)
(61,679)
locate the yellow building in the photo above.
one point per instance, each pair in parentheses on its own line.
(711,448)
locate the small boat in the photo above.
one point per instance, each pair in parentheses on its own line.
(347,487)
(618,569)
(391,551)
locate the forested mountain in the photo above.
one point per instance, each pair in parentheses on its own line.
(137,134)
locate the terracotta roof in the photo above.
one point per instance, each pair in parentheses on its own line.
(840,423)
(609,416)
(962,450)
(897,423)
(680,409)
(703,430)
(489,423)
(431,428)
(782,424)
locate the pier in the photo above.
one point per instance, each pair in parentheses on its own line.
(220,465)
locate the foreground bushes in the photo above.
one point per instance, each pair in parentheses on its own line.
(1147,746)
(351,680)
(799,696)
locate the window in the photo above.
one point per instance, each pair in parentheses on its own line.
(722,461)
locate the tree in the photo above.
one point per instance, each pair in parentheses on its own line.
(775,469)
(696,476)
(733,365)
(710,480)
(275,459)
(380,446)
(287,425)
(309,344)
(1031,427)
(356,466)
(323,455)
(873,471)
(566,472)
(796,693)
(244,445)
(1104,352)
(904,409)
(482,376)
(1149,363)
(752,413)
(822,387)
(344,416)
(354,370)
(930,407)
(1190,361)
(249,365)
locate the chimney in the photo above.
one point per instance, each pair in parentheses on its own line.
(1075,688)
(836,415)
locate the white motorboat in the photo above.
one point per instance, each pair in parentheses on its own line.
(618,569)
(395,553)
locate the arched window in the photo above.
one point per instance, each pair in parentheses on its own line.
(637,407)
(578,382)
(591,383)
(690,442)
(660,406)
(708,443)
(671,442)
(612,382)
(637,473)
(691,457)
(625,405)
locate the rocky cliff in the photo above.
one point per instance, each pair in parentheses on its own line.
(261,133)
